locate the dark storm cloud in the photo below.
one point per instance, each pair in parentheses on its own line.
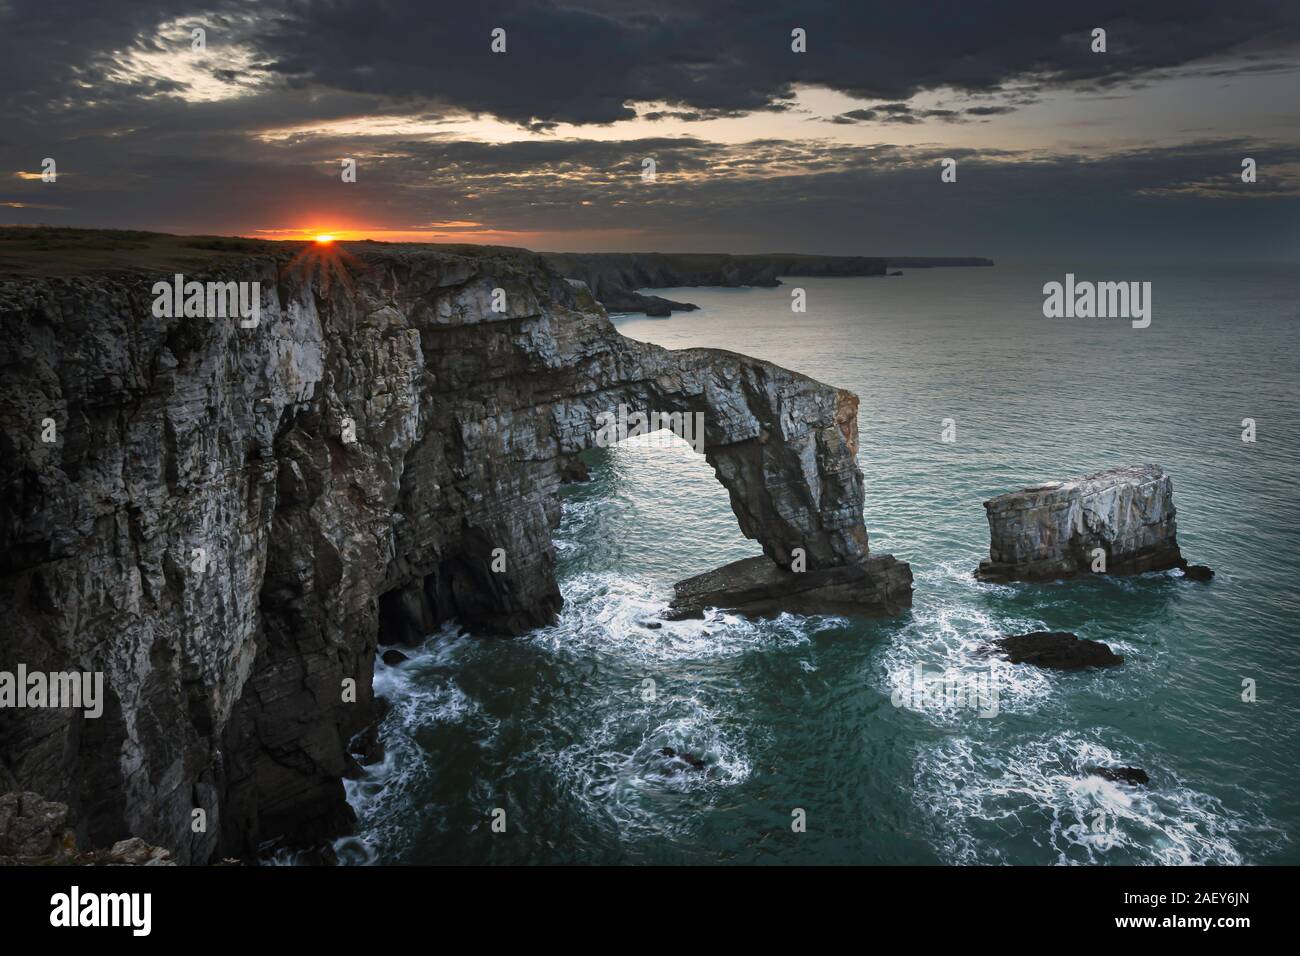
(583,61)
(583,65)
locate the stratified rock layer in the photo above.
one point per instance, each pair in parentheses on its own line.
(1052,530)
(228,519)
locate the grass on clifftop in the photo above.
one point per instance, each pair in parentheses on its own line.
(45,251)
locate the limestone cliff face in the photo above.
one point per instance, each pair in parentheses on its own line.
(229,519)
(1052,530)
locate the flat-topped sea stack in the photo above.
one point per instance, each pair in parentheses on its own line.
(1054,530)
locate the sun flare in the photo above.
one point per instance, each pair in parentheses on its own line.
(324,240)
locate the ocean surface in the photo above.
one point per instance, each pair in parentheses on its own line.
(796,717)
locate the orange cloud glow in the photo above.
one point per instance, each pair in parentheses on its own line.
(448,231)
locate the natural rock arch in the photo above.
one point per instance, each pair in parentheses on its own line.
(782,444)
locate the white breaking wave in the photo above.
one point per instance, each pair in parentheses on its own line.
(619,615)
(952,642)
(420,694)
(994,804)
(613,765)
(616,769)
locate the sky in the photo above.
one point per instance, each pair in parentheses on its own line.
(1061,150)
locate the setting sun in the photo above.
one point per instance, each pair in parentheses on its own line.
(324,240)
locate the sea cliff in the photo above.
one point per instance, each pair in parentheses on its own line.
(226,521)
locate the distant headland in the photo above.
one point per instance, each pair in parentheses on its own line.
(614,277)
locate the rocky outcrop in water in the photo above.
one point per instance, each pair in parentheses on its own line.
(756,587)
(225,521)
(690,760)
(1133,775)
(1123,517)
(1057,650)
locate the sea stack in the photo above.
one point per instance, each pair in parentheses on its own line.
(1119,521)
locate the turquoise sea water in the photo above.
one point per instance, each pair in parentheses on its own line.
(796,713)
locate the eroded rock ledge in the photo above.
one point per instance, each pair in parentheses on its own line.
(180,438)
(877,585)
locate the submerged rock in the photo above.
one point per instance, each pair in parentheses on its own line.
(1197,572)
(575,471)
(756,587)
(1121,774)
(392,657)
(692,761)
(1057,650)
(1057,529)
